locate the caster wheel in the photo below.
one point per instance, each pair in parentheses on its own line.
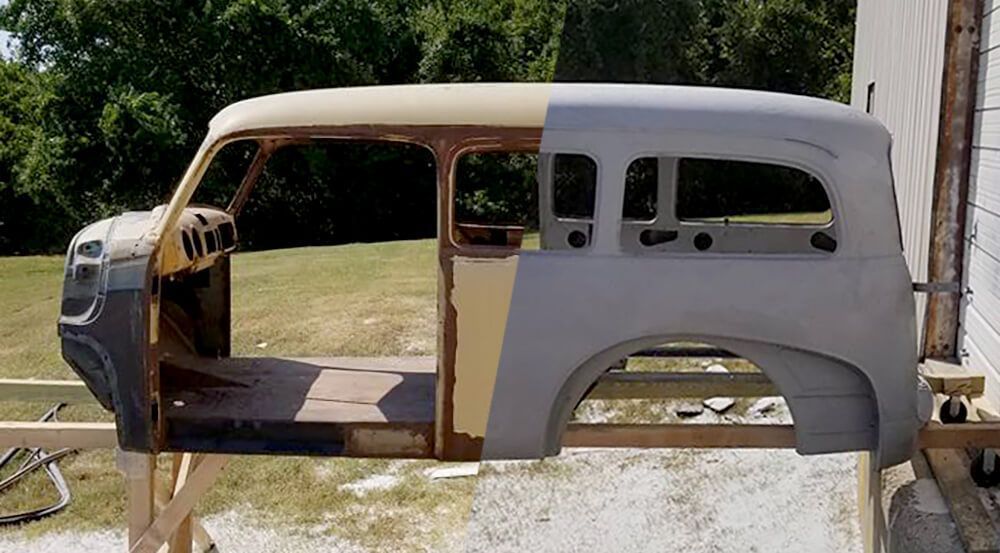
(978,472)
(945,412)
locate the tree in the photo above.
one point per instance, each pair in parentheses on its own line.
(107,101)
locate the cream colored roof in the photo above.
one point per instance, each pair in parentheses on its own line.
(480,104)
(574,106)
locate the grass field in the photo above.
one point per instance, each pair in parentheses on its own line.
(359,299)
(370,299)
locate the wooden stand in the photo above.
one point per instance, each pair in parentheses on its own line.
(160,520)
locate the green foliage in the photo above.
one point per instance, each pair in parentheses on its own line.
(105,102)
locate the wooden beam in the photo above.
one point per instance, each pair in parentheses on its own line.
(660,385)
(50,391)
(54,435)
(975,528)
(180,541)
(952,379)
(957,121)
(202,541)
(873,526)
(959,436)
(934,435)
(180,505)
(139,470)
(680,435)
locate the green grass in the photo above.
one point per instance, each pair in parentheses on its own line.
(359,299)
(802,218)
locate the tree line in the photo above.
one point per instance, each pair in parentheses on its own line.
(102,104)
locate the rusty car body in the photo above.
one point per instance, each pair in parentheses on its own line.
(825,309)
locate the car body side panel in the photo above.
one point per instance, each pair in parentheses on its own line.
(481,298)
(836,335)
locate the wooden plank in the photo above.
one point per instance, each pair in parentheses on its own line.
(873,527)
(680,435)
(49,391)
(180,541)
(202,541)
(54,435)
(974,525)
(659,385)
(959,436)
(313,390)
(139,470)
(180,505)
(952,379)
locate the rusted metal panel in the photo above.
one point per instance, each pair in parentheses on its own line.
(951,181)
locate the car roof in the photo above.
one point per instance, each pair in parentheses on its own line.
(566,106)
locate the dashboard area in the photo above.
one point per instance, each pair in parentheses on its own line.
(203,234)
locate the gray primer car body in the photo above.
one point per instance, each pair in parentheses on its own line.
(832,326)
(834,331)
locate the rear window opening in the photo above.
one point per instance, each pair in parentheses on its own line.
(717,190)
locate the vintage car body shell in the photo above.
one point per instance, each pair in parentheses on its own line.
(524,334)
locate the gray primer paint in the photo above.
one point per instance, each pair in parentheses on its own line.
(834,331)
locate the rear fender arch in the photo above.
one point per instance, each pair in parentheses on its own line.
(833,404)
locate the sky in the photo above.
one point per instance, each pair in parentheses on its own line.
(4,38)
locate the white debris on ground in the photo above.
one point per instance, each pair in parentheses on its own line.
(718,404)
(587,499)
(695,500)
(232,531)
(371,483)
(459,470)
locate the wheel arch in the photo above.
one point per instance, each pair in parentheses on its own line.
(841,387)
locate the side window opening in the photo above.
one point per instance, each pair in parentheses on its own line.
(524,201)
(574,186)
(718,190)
(724,206)
(641,179)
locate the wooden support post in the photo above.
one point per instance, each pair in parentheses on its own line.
(180,542)
(873,528)
(202,541)
(179,507)
(139,470)
(951,176)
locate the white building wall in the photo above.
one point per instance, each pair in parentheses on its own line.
(899,46)
(980,330)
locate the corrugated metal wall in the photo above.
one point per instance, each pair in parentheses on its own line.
(899,46)
(980,330)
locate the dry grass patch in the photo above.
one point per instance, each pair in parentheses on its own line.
(359,299)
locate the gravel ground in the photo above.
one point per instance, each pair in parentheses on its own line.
(697,501)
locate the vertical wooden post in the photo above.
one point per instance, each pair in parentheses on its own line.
(180,542)
(873,528)
(951,176)
(139,470)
